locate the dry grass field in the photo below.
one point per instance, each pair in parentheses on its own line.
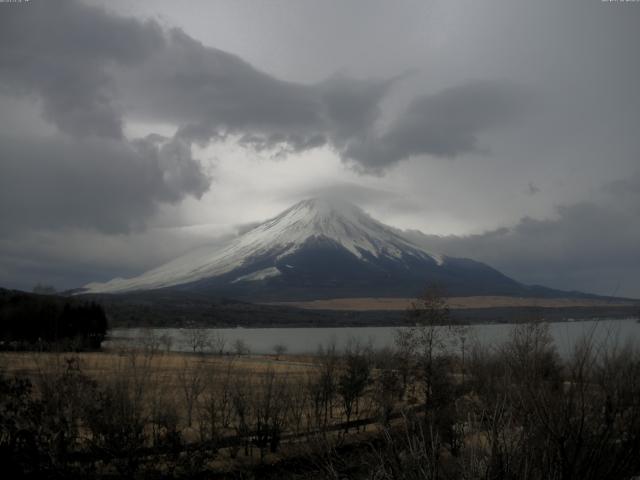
(166,365)
(395,304)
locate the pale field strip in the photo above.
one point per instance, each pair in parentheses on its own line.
(372,304)
(165,366)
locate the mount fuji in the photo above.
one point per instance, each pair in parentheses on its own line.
(320,248)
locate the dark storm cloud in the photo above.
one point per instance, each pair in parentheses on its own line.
(445,124)
(212,94)
(61,51)
(89,175)
(352,106)
(105,184)
(197,86)
(92,69)
(625,187)
(588,247)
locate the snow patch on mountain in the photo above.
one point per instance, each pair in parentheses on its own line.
(259,275)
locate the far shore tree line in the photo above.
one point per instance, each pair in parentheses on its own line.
(41,322)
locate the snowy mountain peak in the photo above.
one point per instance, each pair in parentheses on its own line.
(318,216)
(335,219)
(337,222)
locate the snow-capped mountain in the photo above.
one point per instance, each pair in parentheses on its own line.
(318,248)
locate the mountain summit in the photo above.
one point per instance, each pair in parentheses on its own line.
(318,248)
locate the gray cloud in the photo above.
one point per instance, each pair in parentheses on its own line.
(445,124)
(352,106)
(75,257)
(91,68)
(590,247)
(347,191)
(212,93)
(625,187)
(103,184)
(532,189)
(197,86)
(61,51)
(369,198)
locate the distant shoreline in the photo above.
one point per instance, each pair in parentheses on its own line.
(398,318)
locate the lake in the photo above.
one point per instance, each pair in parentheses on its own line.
(306,340)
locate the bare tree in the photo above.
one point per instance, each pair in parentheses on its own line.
(461,339)
(241,401)
(216,405)
(279,349)
(388,388)
(191,378)
(197,339)
(406,344)
(151,343)
(322,385)
(298,404)
(354,378)
(431,315)
(117,415)
(218,342)
(270,404)
(166,341)
(241,347)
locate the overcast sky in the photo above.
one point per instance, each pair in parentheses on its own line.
(506,131)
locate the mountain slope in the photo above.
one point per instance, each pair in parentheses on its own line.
(318,248)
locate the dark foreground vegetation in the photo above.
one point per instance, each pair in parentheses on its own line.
(38,322)
(436,406)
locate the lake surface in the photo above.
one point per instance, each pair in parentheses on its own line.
(306,340)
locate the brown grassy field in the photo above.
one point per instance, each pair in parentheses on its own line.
(396,304)
(168,364)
